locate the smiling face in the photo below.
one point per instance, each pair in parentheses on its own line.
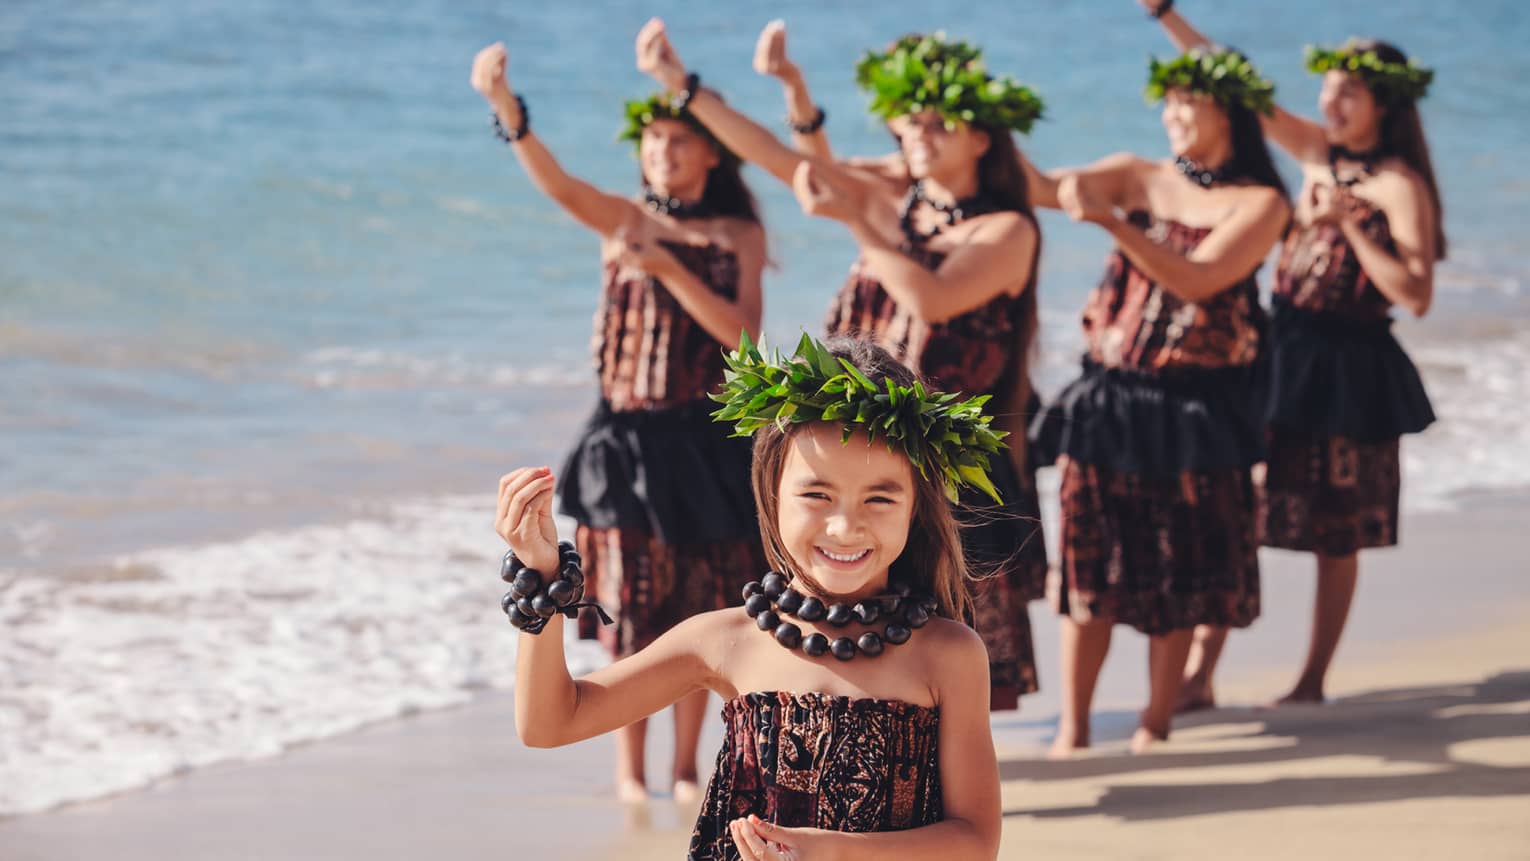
(1351,114)
(1195,123)
(675,158)
(933,151)
(844,509)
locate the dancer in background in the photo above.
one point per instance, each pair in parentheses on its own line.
(661,494)
(1157,438)
(1366,236)
(946,279)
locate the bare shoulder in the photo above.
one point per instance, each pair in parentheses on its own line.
(1397,181)
(948,640)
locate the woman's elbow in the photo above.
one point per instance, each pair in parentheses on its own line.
(533,734)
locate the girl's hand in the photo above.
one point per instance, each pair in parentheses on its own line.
(637,243)
(656,57)
(1075,197)
(820,193)
(525,518)
(758,840)
(1329,204)
(770,53)
(488,75)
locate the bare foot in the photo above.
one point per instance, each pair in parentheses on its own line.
(1194,697)
(629,791)
(1067,743)
(687,791)
(1300,697)
(1145,739)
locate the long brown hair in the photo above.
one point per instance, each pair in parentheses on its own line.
(932,559)
(1402,134)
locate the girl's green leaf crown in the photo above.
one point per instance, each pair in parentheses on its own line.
(1221,73)
(640,113)
(928,73)
(933,429)
(1395,82)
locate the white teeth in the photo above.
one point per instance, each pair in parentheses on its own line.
(855,557)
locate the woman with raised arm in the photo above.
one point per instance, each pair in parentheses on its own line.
(946,279)
(661,494)
(1366,236)
(1158,437)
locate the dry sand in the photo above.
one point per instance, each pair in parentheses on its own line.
(1425,753)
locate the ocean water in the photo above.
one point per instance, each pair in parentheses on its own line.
(276,311)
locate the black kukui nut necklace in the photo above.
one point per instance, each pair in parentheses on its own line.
(770,598)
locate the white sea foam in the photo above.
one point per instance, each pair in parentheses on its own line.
(183,657)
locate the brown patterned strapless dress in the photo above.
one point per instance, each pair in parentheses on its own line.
(813,760)
(1342,393)
(1159,435)
(973,354)
(661,493)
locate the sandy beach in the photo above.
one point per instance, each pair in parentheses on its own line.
(1424,753)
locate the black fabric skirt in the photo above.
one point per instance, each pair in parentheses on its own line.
(1338,377)
(673,473)
(1138,422)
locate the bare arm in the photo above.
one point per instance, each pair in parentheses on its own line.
(1113,178)
(721,317)
(1406,277)
(1227,255)
(770,59)
(997,255)
(595,209)
(551,707)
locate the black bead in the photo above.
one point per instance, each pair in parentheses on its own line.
(756,605)
(566,547)
(772,585)
(510,567)
(526,609)
(790,601)
(897,634)
(572,573)
(916,616)
(868,611)
(811,610)
(544,606)
(903,590)
(571,559)
(526,583)
(788,635)
(519,619)
(815,645)
(768,620)
(508,601)
(870,643)
(843,648)
(839,615)
(929,603)
(889,604)
(751,589)
(562,592)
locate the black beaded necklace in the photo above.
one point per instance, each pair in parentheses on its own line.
(770,598)
(1367,160)
(1201,175)
(674,207)
(955,213)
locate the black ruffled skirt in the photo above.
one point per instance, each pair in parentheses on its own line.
(673,473)
(1330,376)
(1159,424)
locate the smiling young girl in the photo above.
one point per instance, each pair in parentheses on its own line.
(856,707)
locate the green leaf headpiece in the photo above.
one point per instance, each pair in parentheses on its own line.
(1225,75)
(929,73)
(935,430)
(640,113)
(1395,82)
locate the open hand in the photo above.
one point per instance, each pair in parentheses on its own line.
(827,194)
(656,57)
(524,517)
(770,52)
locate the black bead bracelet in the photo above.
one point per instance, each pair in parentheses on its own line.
(808,127)
(692,86)
(510,136)
(534,598)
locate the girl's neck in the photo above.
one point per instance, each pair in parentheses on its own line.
(875,586)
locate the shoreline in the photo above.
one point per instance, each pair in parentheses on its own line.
(456,781)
